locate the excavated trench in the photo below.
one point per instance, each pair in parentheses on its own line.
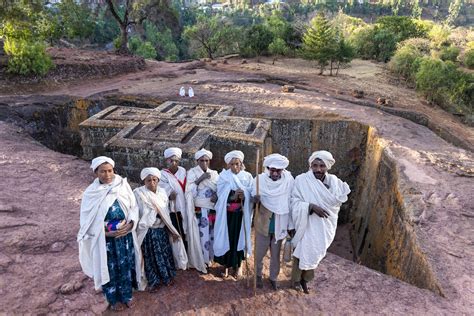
(378,222)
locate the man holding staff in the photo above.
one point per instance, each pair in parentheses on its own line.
(272,189)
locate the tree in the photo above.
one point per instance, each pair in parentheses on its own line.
(343,54)
(23,38)
(416,10)
(209,35)
(454,9)
(257,39)
(76,19)
(319,42)
(278,48)
(123,22)
(132,12)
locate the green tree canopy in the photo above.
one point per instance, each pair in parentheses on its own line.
(319,42)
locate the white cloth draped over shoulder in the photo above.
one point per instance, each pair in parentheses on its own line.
(150,204)
(96,201)
(275,196)
(192,200)
(315,234)
(229,181)
(170,183)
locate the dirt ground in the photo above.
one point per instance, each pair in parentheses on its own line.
(41,192)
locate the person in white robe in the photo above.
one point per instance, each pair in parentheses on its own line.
(272,220)
(162,247)
(108,245)
(232,242)
(315,202)
(173,181)
(201,195)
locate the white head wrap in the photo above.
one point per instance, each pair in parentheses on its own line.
(96,162)
(202,152)
(234,154)
(173,151)
(150,171)
(325,156)
(276,161)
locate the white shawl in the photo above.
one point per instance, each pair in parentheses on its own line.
(96,201)
(275,196)
(150,204)
(229,181)
(196,258)
(314,234)
(190,224)
(170,183)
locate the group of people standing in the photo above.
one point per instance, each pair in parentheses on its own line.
(182,219)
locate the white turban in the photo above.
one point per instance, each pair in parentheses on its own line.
(173,151)
(234,154)
(276,161)
(325,156)
(150,171)
(96,162)
(202,152)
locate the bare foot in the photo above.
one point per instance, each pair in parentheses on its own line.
(116,307)
(225,274)
(130,304)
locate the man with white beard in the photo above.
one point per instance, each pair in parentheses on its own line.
(272,220)
(315,202)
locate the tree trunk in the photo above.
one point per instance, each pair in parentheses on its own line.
(330,69)
(123,49)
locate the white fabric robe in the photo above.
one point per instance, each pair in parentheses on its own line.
(275,196)
(150,204)
(229,181)
(190,224)
(192,200)
(170,183)
(95,204)
(315,234)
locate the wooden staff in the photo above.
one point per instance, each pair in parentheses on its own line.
(247,268)
(255,230)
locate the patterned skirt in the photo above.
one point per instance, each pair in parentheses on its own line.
(159,263)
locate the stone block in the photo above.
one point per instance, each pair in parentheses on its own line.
(136,138)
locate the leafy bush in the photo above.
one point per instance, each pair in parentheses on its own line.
(27,57)
(146,50)
(141,48)
(402,27)
(163,42)
(469,58)
(435,79)
(406,60)
(257,39)
(439,35)
(450,53)
(372,42)
(278,47)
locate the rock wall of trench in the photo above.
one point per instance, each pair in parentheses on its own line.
(382,233)
(345,139)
